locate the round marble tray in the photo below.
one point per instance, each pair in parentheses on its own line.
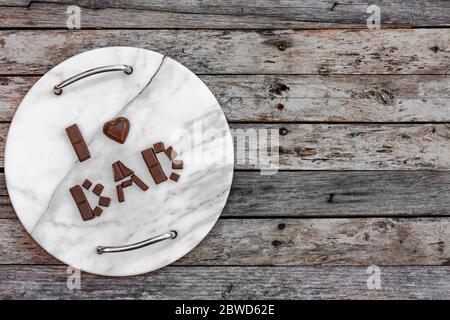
(164,101)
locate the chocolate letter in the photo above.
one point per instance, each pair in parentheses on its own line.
(78,143)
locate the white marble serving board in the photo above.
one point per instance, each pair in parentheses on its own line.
(163,101)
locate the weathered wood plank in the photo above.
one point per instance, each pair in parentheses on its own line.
(353,147)
(3,134)
(343,146)
(300,194)
(12,91)
(262,14)
(334,98)
(339,193)
(269,242)
(50,282)
(295,98)
(417,51)
(356,147)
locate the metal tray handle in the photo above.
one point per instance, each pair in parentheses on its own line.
(168,235)
(119,67)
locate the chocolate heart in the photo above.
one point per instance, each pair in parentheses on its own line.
(117,129)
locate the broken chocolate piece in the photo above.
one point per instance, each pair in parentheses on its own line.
(97,211)
(85,211)
(139,182)
(120,194)
(174,176)
(150,158)
(82,151)
(97,190)
(158,174)
(153,165)
(121,171)
(177,164)
(125,170)
(82,203)
(117,129)
(126,183)
(158,147)
(104,201)
(78,143)
(87,184)
(118,175)
(170,153)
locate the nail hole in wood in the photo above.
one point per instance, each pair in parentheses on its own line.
(283,131)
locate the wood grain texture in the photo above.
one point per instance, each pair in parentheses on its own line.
(339,193)
(354,147)
(261,14)
(417,51)
(12,91)
(333,98)
(296,98)
(278,242)
(299,194)
(310,70)
(50,282)
(340,146)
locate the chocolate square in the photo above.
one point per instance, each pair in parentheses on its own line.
(177,164)
(174,176)
(104,201)
(98,189)
(87,184)
(158,147)
(97,211)
(171,153)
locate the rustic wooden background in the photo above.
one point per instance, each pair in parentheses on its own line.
(365,145)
